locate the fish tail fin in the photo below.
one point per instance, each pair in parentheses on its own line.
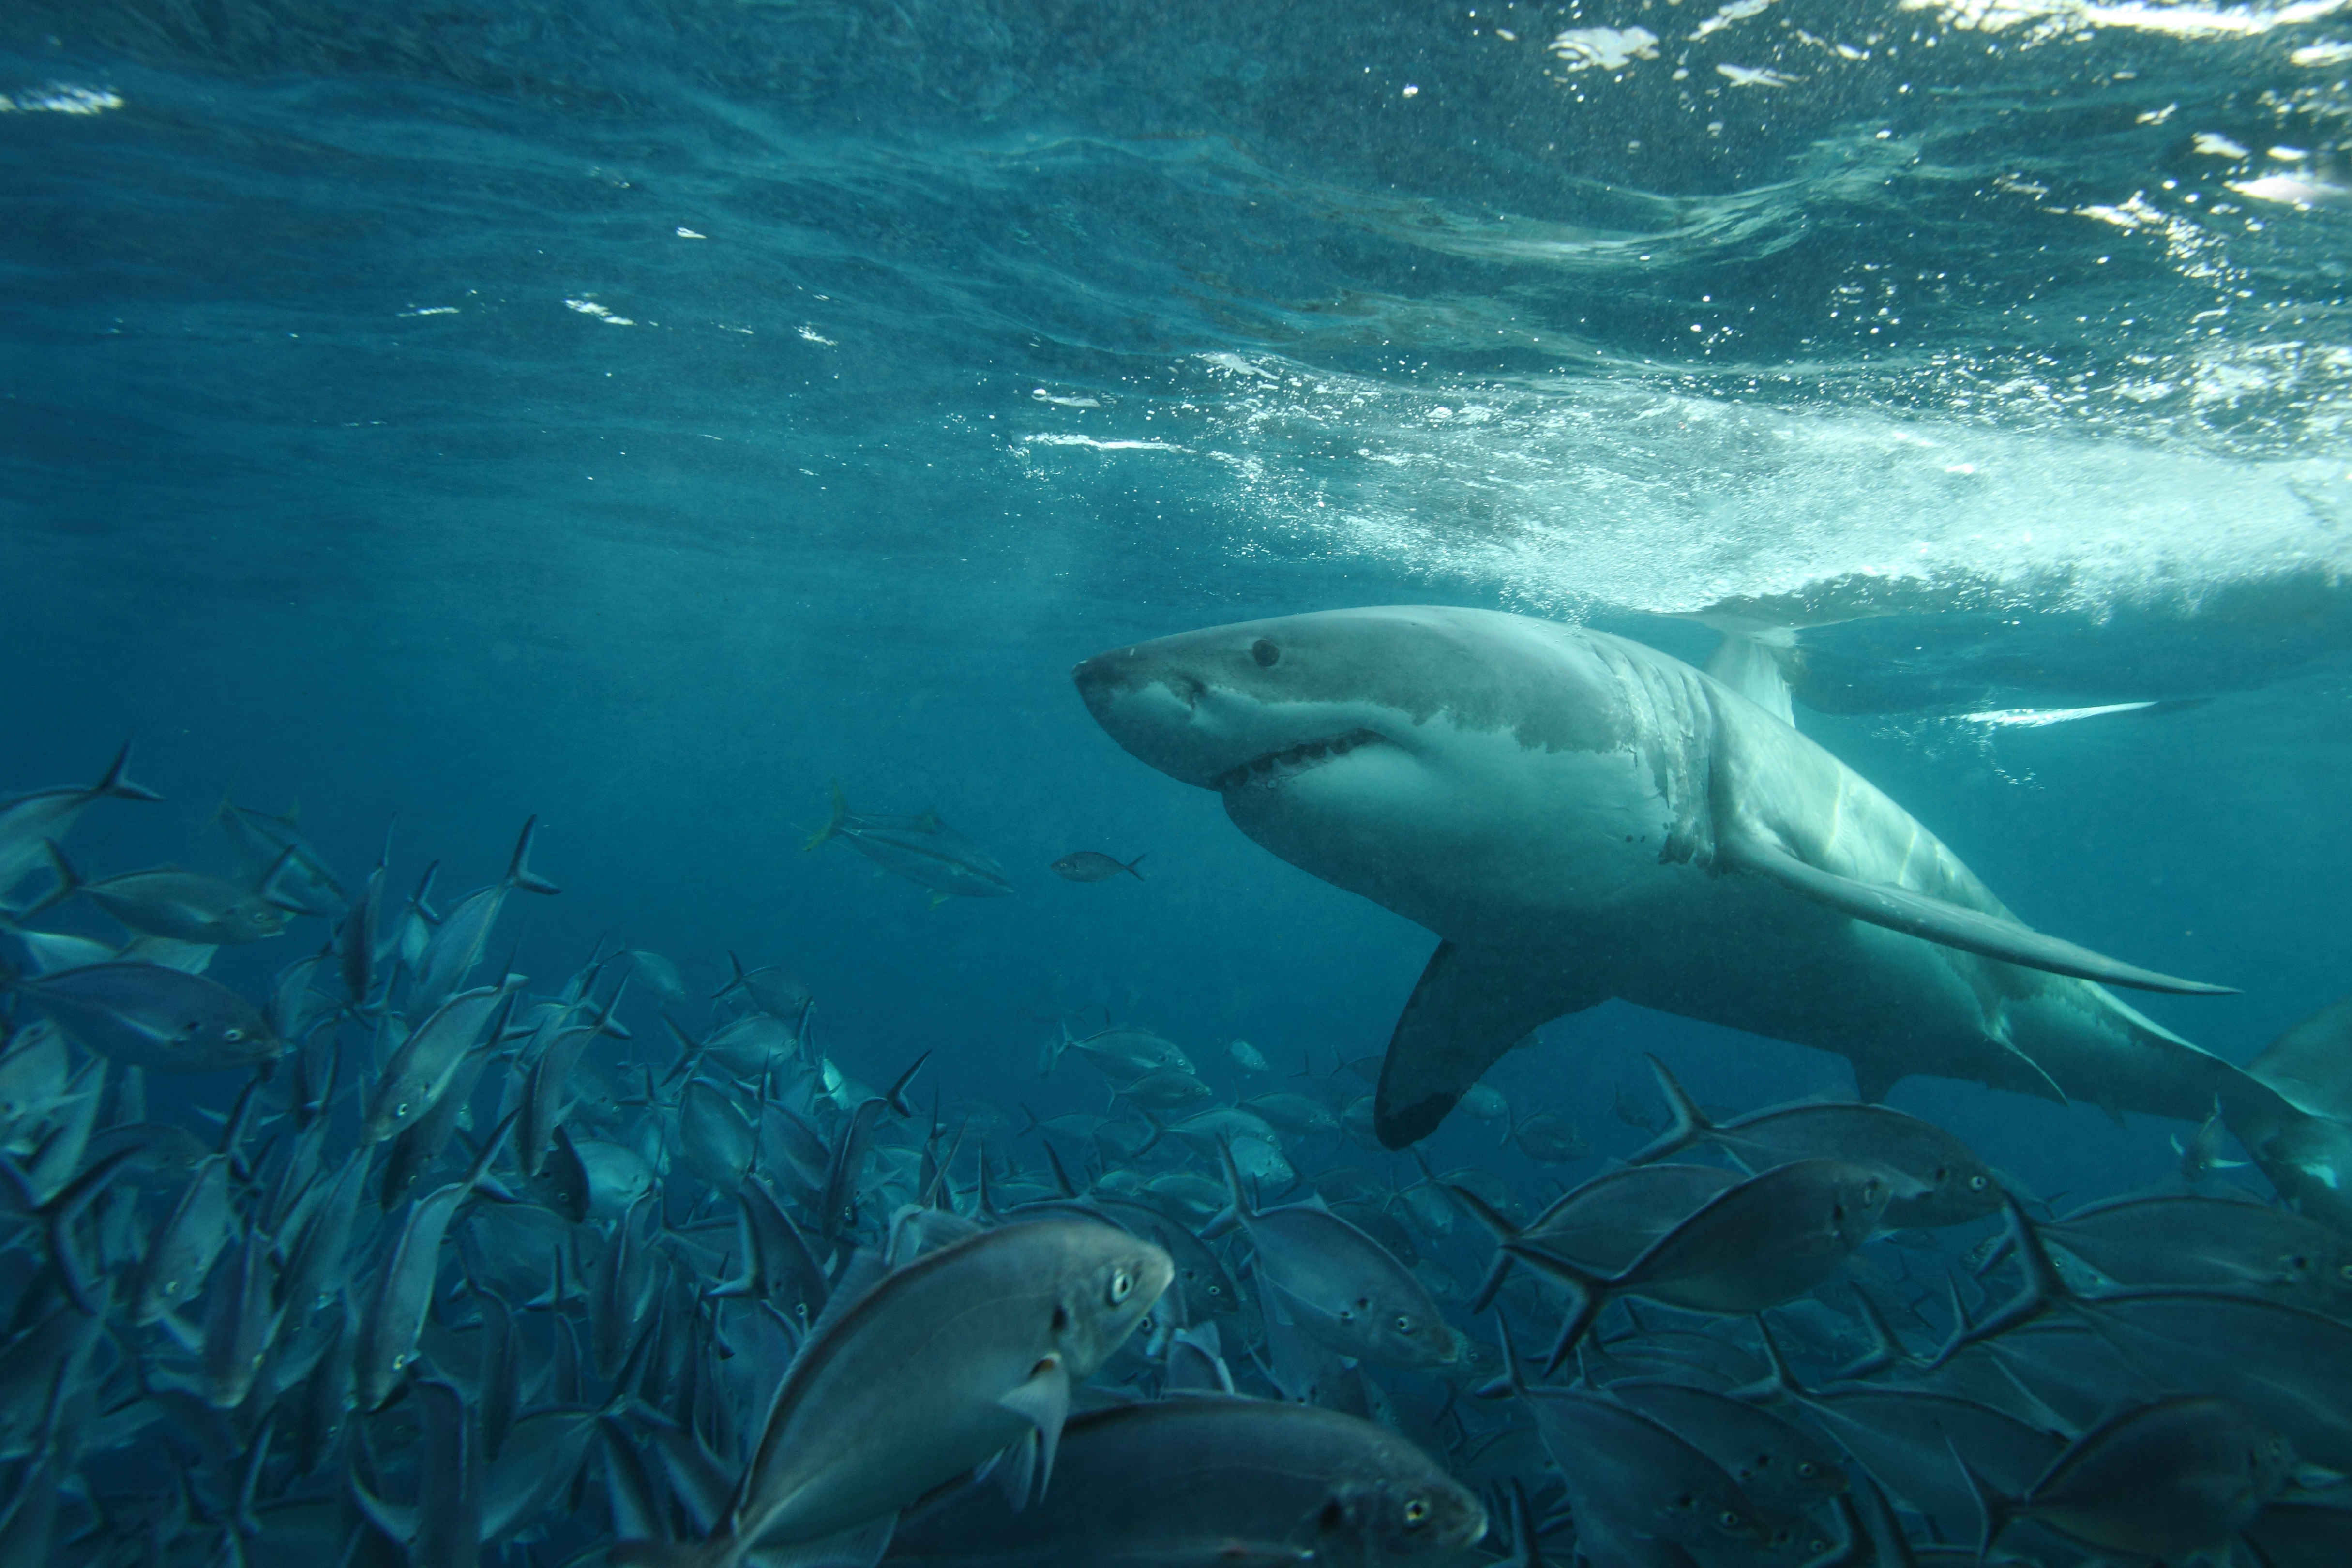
(519,871)
(1690,1123)
(1158,1131)
(1049,1055)
(68,884)
(1780,1382)
(1499,1227)
(1994,1510)
(1130,867)
(2044,1290)
(718,1552)
(832,824)
(56,1215)
(1591,1292)
(1514,1379)
(896,1095)
(117,782)
(1244,1210)
(734,980)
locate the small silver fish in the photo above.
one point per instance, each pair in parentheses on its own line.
(1094,865)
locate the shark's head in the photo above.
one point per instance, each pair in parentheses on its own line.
(1259,703)
(1384,747)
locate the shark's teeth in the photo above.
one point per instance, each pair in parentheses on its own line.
(1291,759)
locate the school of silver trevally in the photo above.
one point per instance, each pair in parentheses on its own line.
(475,1269)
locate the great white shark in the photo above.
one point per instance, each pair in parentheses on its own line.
(1578,816)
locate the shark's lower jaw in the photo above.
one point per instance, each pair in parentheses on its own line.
(1273,767)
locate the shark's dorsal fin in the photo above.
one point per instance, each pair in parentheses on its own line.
(1971,931)
(1752,668)
(1473,1003)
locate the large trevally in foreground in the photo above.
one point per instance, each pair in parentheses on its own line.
(1582,817)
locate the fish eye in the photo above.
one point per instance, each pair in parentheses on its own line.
(1978,1183)
(1807,1469)
(1220,1289)
(1122,1286)
(1415,1510)
(232,1036)
(1728,1519)
(400,1110)
(1265,653)
(1403,1324)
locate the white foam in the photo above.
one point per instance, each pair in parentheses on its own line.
(2040,717)
(1059,438)
(1574,496)
(59,98)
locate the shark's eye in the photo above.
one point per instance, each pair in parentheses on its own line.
(1265,653)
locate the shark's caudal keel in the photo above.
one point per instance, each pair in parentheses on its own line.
(1578,816)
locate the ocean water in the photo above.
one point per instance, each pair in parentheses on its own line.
(646,416)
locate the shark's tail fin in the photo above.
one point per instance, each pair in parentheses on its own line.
(1690,1123)
(117,782)
(519,871)
(832,824)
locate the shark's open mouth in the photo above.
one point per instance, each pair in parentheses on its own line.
(1291,761)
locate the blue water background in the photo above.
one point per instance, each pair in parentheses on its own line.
(832,504)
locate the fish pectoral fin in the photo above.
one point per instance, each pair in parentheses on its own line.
(397,1521)
(1970,930)
(1043,1401)
(1473,1003)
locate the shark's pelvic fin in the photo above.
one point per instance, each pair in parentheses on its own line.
(1473,1003)
(1971,931)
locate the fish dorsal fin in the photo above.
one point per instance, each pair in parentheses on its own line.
(1751,667)
(916,1230)
(866,1269)
(1938,921)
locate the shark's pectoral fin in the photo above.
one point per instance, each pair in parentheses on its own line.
(1474,1003)
(1971,931)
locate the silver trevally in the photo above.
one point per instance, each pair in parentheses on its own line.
(1207,1480)
(166,901)
(923,849)
(1121,1052)
(935,1367)
(1338,1284)
(1582,817)
(150,1016)
(456,945)
(1939,1180)
(29,822)
(1094,865)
